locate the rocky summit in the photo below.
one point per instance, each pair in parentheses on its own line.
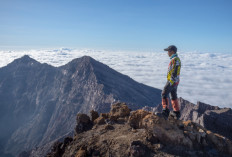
(125,133)
(39,102)
(213,118)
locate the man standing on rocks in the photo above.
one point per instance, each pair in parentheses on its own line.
(172,84)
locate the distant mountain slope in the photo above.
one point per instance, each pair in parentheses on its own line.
(39,102)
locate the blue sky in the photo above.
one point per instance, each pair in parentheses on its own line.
(192,25)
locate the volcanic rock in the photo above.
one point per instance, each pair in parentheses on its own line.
(213,118)
(83,123)
(154,136)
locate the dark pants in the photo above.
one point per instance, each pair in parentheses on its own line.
(170,89)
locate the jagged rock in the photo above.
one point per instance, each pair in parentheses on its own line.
(83,123)
(213,118)
(94,115)
(136,117)
(152,136)
(118,113)
(165,131)
(202,107)
(119,110)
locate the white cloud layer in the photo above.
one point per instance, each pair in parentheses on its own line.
(204,77)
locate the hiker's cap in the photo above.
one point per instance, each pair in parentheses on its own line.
(171,48)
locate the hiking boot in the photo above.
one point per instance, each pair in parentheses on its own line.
(165,113)
(175,114)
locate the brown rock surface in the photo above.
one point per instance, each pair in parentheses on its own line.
(83,123)
(119,110)
(146,134)
(218,120)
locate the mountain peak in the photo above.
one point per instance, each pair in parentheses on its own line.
(26,57)
(87,58)
(84,60)
(26,60)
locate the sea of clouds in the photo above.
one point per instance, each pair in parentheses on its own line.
(205,77)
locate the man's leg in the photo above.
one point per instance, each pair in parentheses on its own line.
(165,101)
(175,103)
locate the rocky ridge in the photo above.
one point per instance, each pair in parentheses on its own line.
(39,102)
(122,132)
(213,118)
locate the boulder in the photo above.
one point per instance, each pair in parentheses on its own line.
(136,117)
(83,123)
(210,117)
(119,110)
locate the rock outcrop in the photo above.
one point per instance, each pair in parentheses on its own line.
(142,133)
(83,123)
(213,118)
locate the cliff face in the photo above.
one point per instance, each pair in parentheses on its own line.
(137,134)
(213,118)
(39,102)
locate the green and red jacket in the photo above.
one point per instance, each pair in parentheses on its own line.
(173,75)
